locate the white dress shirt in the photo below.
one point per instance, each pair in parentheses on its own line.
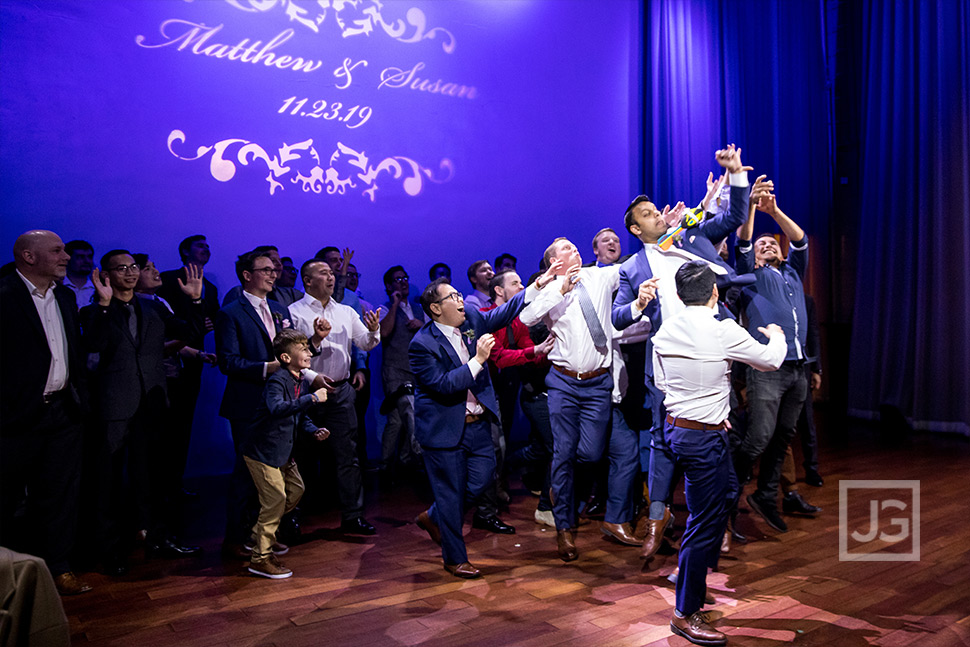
(346,329)
(574,348)
(53,323)
(692,354)
(403,305)
(453,335)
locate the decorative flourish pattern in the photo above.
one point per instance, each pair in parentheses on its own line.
(347,168)
(354,17)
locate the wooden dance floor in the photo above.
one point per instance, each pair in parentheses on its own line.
(389,590)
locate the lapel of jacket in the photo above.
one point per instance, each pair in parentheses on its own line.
(446,344)
(26,302)
(251,311)
(643,264)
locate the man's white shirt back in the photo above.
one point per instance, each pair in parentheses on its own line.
(692,355)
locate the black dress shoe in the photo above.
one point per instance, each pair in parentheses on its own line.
(767,512)
(115,566)
(492,524)
(358,526)
(813,478)
(793,503)
(289,530)
(170,548)
(594,509)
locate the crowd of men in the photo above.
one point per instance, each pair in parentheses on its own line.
(629,371)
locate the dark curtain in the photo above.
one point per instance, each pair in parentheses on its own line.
(752,73)
(911,327)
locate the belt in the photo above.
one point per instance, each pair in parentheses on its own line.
(793,362)
(580,376)
(684,423)
(54,396)
(336,383)
(473,417)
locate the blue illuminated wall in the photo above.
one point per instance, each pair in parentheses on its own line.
(451,131)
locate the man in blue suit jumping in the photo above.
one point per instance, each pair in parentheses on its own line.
(651,271)
(455,405)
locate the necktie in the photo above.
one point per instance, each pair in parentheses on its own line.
(132,321)
(589,314)
(267,319)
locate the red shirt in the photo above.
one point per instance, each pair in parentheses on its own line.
(503,356)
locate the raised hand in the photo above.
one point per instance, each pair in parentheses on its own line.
(713,188)
(372,319)
(673,217)
(730,158)
(348,254)
(570,279)
(484,347)
(321,433)
(550,274)
(768,204)
(102,285)
(647,292)
(192,285)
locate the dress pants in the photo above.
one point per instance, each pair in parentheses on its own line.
(775,400)
(242,502)
(535,406)
(710,487)
(806,430)
(45,460)
(337,415)
(580,413)
(623,451)
(183,393)
(280,489)
(662,471)
(458,476)
(397,440)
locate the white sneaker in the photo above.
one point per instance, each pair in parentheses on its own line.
(546,518)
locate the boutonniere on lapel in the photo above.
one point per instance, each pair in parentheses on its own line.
(281,321)
(469,335)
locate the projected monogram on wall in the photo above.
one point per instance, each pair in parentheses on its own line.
(346,167)
(354,17)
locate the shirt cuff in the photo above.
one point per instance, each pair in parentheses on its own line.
(265,369)
(531,291)
(800,245)
(744,246)
(310,375)
(475,367)
(738,179)
(635,311)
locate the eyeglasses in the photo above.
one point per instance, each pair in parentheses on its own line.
(400,279)
(267,270)
(356,275)
(125,269)
(454,296)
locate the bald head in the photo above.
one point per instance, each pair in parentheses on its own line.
(40,256)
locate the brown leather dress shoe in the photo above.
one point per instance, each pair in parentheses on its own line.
(566,540)
(463,570)
(424,522)
(726,542)
(622,532)
(695,629)
(69,584)
(655,535)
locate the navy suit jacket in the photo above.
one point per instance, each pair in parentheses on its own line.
(700,241)
(130,370)
(243,347)
(26,356)
(280,415)
(443,381)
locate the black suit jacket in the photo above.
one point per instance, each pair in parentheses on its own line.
(128,369)
(25,355)
(182,304)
